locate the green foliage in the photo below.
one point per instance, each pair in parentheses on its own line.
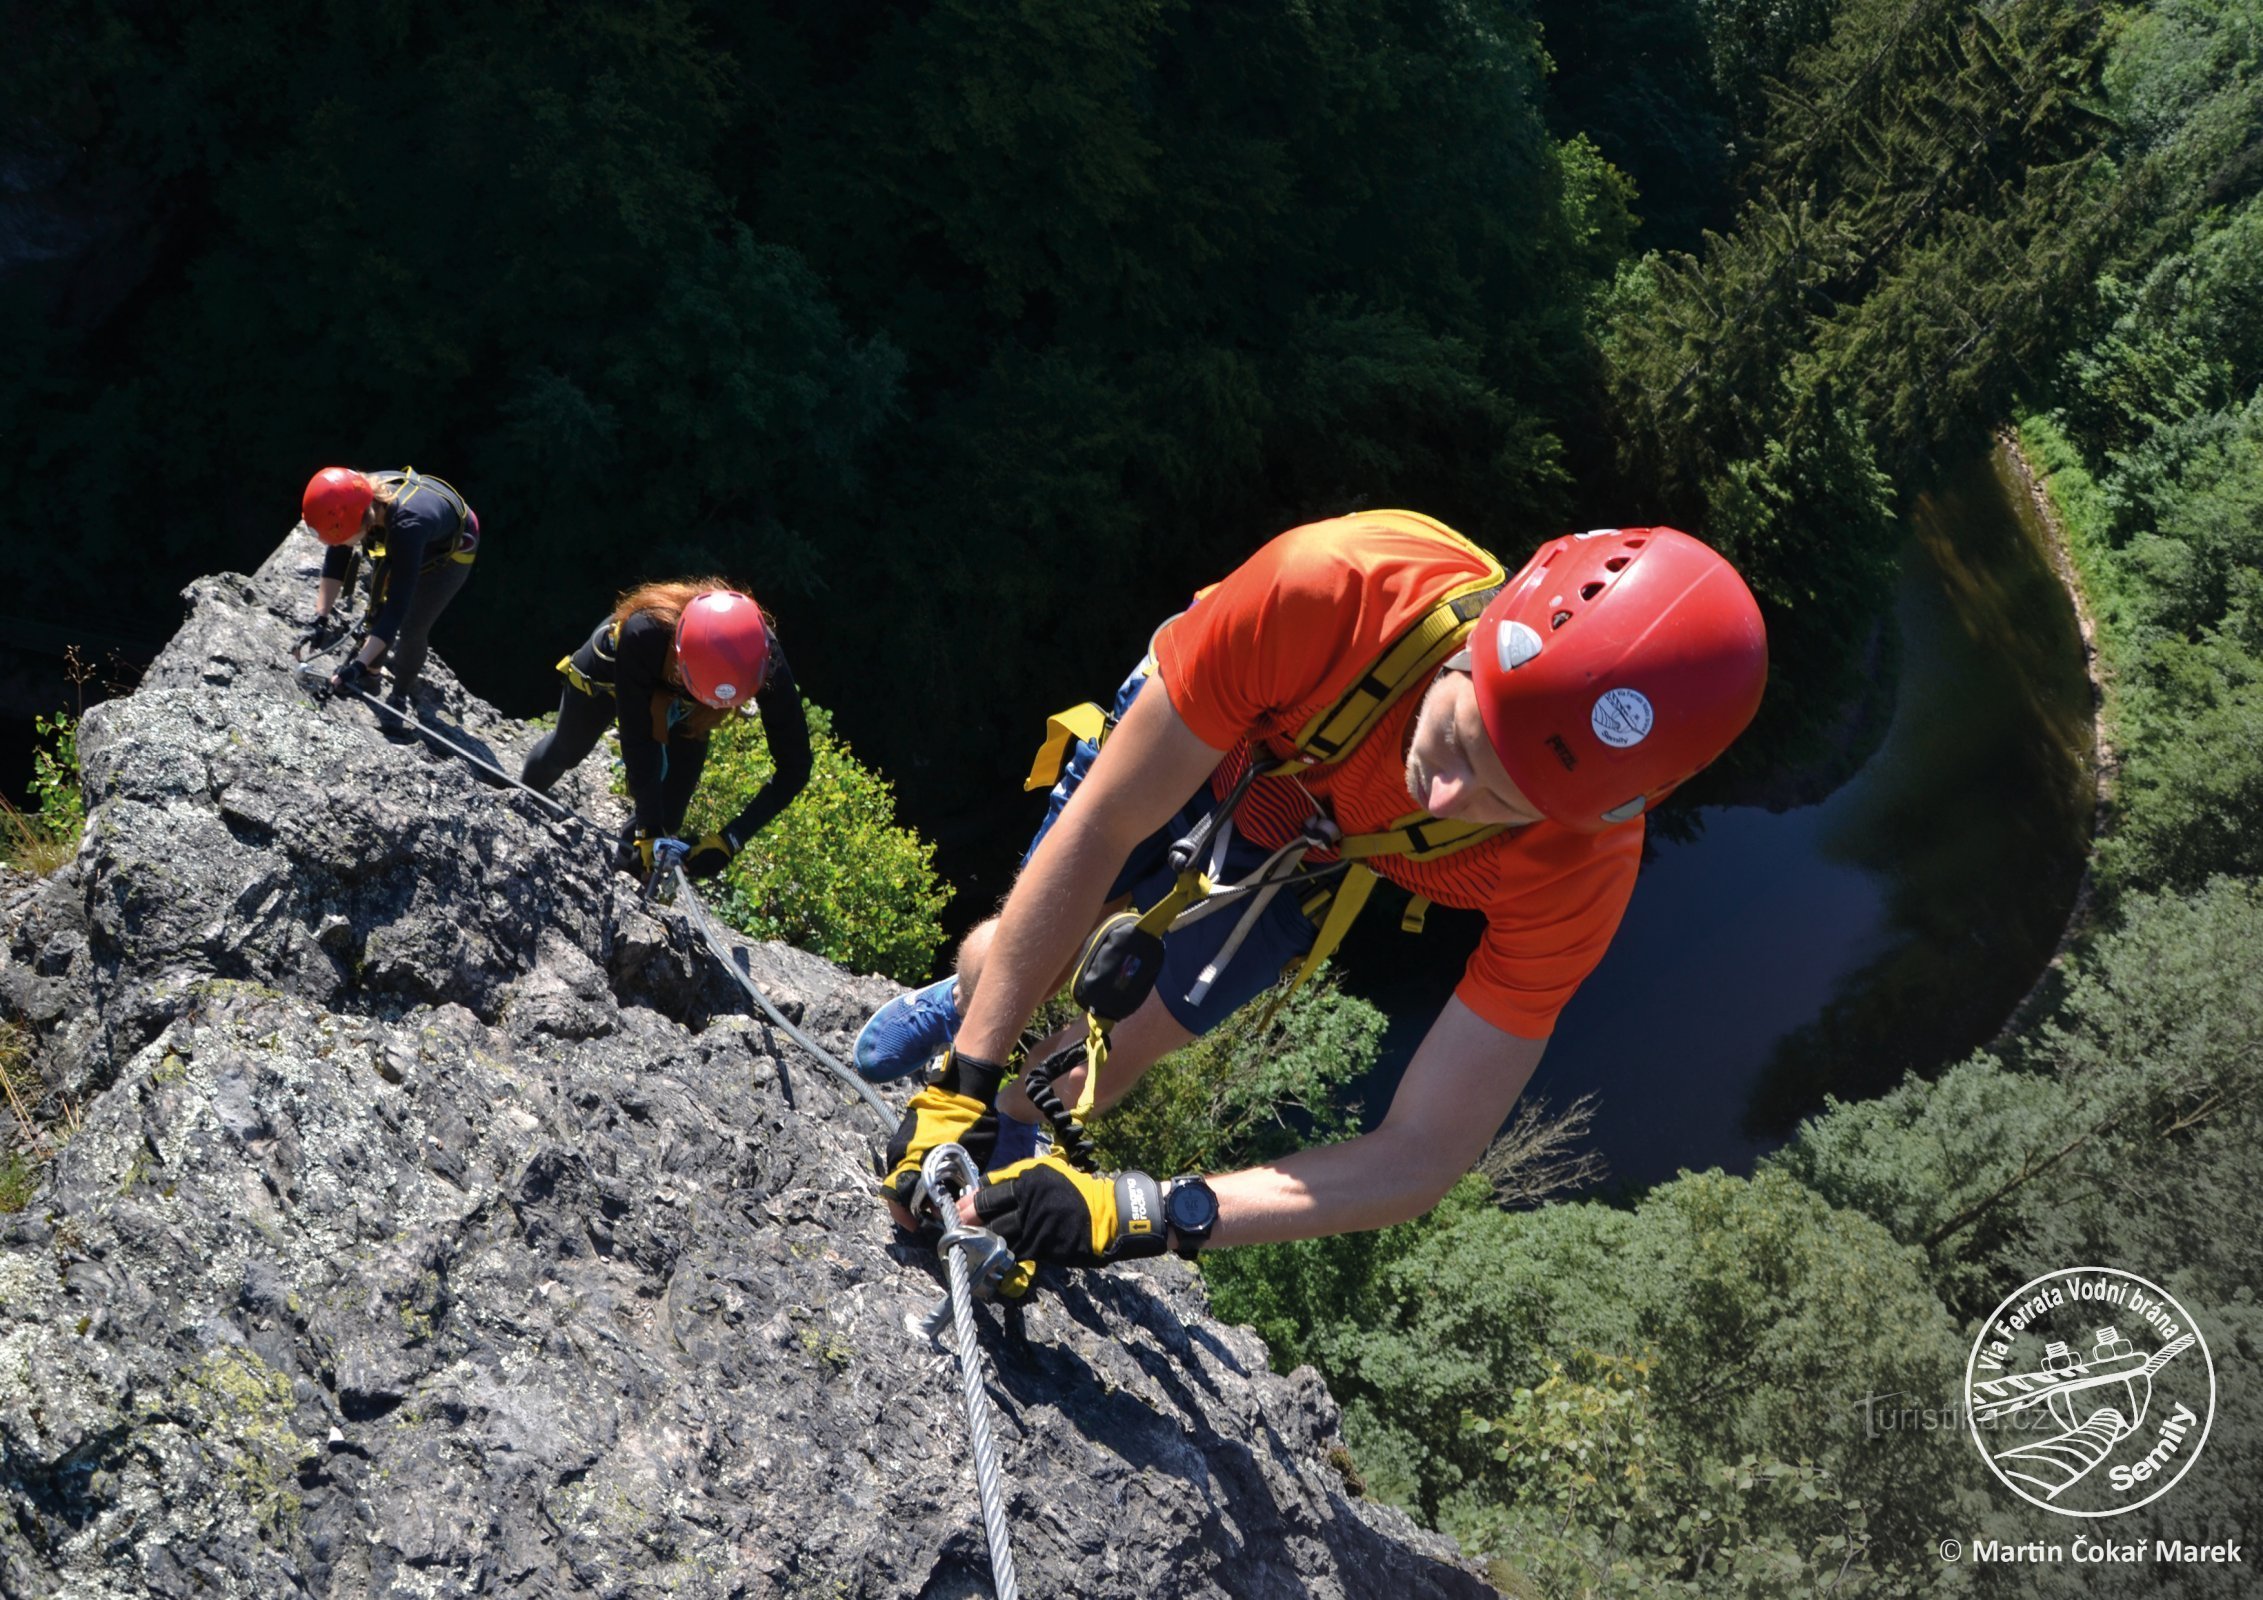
(1929,201)
(834,872)
(1933,1161)
(1631,75)
(1766,1313)
(55,776)
(1253,1089)
(2156,1048)
(20,1159)
(48,836)
(2173,549)
(949,325)
(19,1179)
(2134,1136)
(1598,1504)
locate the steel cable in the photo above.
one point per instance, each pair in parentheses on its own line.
(948,1171)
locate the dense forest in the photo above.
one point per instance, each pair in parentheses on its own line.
(973,337)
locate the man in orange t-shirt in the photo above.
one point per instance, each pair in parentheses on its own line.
(1606,672)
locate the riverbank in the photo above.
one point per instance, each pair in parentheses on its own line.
(2104,757)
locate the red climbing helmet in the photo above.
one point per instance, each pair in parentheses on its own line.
(335,500)
(722,648)
(1615,666)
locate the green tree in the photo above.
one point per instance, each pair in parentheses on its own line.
(1766,1314)
(834,872)
(1262,1084)
(1928,204)
(1598,1504)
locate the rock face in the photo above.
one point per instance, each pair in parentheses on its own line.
(433,1224)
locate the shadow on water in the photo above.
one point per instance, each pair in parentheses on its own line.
(1974,816)
(1775,959)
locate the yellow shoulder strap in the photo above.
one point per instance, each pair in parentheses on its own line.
(1418,836)
(1079,723)
(1332,733)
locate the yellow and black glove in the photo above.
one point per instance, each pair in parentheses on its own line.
(958,1105)
(1047,1211)
(641,852)
(711,855)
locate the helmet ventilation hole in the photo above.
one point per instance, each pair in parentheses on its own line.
(1588,591)
(1636,544)
(1614,564)
(1558,620)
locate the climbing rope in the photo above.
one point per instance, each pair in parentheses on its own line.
(947,1173)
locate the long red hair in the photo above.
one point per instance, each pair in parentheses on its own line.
(667,601)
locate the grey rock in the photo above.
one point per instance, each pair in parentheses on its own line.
(434,1224)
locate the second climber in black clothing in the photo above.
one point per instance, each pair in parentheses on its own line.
(422,537)
(671,663)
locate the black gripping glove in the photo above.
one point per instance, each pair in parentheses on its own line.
(959,1105)
(1047,1211)
(350,676)
(711,855)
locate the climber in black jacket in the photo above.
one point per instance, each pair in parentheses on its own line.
(422,537)
(670,663)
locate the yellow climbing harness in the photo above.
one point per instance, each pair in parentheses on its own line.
(1124,956)
(604,648)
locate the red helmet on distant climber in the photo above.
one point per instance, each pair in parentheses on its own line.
(1615,666)
(722,648)
(335,500)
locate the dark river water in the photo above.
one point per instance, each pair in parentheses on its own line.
(1780,957)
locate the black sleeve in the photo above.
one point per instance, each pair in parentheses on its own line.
(787,731)
(638,667)
(408,536)
(337,561)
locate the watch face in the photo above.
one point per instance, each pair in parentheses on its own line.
(1191,1208)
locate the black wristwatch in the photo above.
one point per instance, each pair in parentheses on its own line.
(1191,1210)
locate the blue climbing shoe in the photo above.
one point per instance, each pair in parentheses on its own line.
(908,1032)
(1018,1141)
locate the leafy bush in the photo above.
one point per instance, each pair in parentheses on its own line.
(1256,1088)
(55,776)
(1598,1505)
(1769,1313)
(834,873)
(42,840)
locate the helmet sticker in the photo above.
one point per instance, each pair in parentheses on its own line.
(726,691)
(1514,644)
(1622,718)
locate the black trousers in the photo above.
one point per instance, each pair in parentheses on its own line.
(582,721)
(434,589)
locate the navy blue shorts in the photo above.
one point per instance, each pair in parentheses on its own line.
(1282,935)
